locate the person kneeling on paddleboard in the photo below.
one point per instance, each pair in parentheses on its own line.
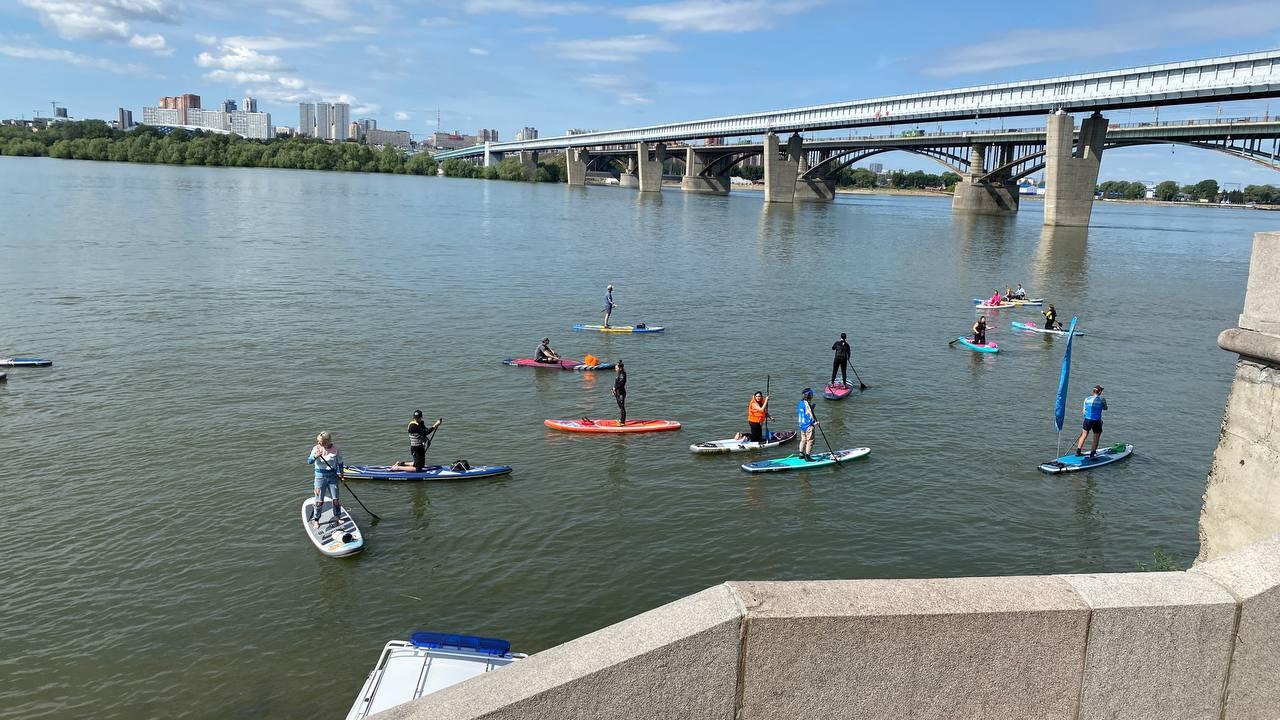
(980,331)
(1093,407)
(419,439)
(327,459)
(544,353)
(807,422)
(757,412)
(1051,318)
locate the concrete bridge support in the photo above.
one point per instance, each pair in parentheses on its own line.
(575,163)
(781,168)
(984,197)
(650,166)
(694,181)
(529,159)
(814,187)
(1072,175)
(628,178)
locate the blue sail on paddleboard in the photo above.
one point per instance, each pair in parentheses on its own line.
(1060,408)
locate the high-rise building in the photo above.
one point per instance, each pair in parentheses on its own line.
(331,121)
(307,120)
(451,141)
(341,121)
(180,111)
(527,133)
(181,103)
(228,106)
(398,138)
(60,112)
(249,104)
(256,125)
(876,168)
(367,124)
(124,118)
(354,130)
(162,116)
(488,135)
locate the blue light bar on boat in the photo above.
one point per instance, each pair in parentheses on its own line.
(488,646)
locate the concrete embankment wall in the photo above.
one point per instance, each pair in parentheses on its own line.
(1197,645)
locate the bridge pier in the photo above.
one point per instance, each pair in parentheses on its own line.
(695,181)
(628,178)
(974,194)
(650,170)
(575,165)
(529,159)
(1072,175)
(781,168)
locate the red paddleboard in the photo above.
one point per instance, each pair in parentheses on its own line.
(588,425)
(837,391)
(562,365)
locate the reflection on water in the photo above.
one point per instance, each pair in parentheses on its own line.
(776,230)
(981,238)
(1063,255)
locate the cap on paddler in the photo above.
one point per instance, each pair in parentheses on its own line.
(807,391)
(417,414)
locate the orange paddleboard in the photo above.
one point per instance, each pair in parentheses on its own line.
(588,425)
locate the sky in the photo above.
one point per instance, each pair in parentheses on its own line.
(560,64)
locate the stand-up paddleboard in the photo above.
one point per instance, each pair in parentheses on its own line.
(1076,463)
(990,347)
(562,365)
(795,462)
(25,362)
(428,472)
(1001,306)
(336,536)
(731,445)
(837,391)
(588,425)
(641,328)
(1032,327)
(1015,301)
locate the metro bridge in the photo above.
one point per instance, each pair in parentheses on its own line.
(990,163)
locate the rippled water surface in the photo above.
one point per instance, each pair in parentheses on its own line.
(206,323)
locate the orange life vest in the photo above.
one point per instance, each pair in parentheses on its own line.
(755,413)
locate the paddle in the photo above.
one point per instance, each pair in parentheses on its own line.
(861,385)
(828,443)
(767,378)
(348,487)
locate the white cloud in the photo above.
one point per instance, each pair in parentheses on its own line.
(72,58)
(401,115)
(363,29)
(626,91)
(263,42)
(1120,34)
(108,20)
(525,8)
(238,57)
(617,49)
(717,15)
(477,51)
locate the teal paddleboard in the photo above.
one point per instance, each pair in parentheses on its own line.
(1076,463)
(990,347)
(795,462)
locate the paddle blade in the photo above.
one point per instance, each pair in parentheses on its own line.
(1060,406)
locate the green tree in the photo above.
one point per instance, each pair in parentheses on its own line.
(1167,191)
(1207,189)
(512,169)
(1189,192)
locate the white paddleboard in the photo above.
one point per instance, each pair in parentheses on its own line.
(731,445)
(334,537)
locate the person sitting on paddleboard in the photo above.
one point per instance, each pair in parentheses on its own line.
(327,459)
(620,392)
(807,422)
(757,412)
(1051,318)
(1008,293)
(1019,293)
(841,361)
(980,331)
(995,300)
(544,353)
(419,435)
(1093,407)
(609,304)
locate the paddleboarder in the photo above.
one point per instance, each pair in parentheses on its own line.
(620,390)
(980,331)
(1093,407)
(841,360)
(327,460)
(609,304)
(995,300)
(1051,318)
(418,438)
(544,353)
(757,412)
(1019,293)
(807,422)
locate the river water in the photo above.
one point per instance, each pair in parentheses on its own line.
(206,323)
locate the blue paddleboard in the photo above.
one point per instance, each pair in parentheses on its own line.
(1076,463)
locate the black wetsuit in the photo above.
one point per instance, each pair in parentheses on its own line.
(980,335)
(841,361)
(1050,320)
(620,394)
(418,434)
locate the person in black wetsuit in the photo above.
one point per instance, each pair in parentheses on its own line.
(1051,318)
(980,331)
(620,391)
(841,361)
(419,436)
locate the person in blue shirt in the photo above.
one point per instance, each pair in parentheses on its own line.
(609,304)
(328,461)
(807,422)
(1093,407)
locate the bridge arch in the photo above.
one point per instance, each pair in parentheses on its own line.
(842,159)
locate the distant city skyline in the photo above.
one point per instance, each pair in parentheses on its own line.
(472,65)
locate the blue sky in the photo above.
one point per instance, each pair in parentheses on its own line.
(557,64)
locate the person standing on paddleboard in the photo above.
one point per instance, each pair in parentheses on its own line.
(980,331)
(620,392)
(1093,407)
(418,439)
(841,361)
(609,304)
(807,422)
(327,459)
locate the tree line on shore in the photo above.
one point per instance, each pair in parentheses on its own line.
(1205,190)
(96,140)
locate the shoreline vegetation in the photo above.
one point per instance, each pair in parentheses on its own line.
(96,140)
